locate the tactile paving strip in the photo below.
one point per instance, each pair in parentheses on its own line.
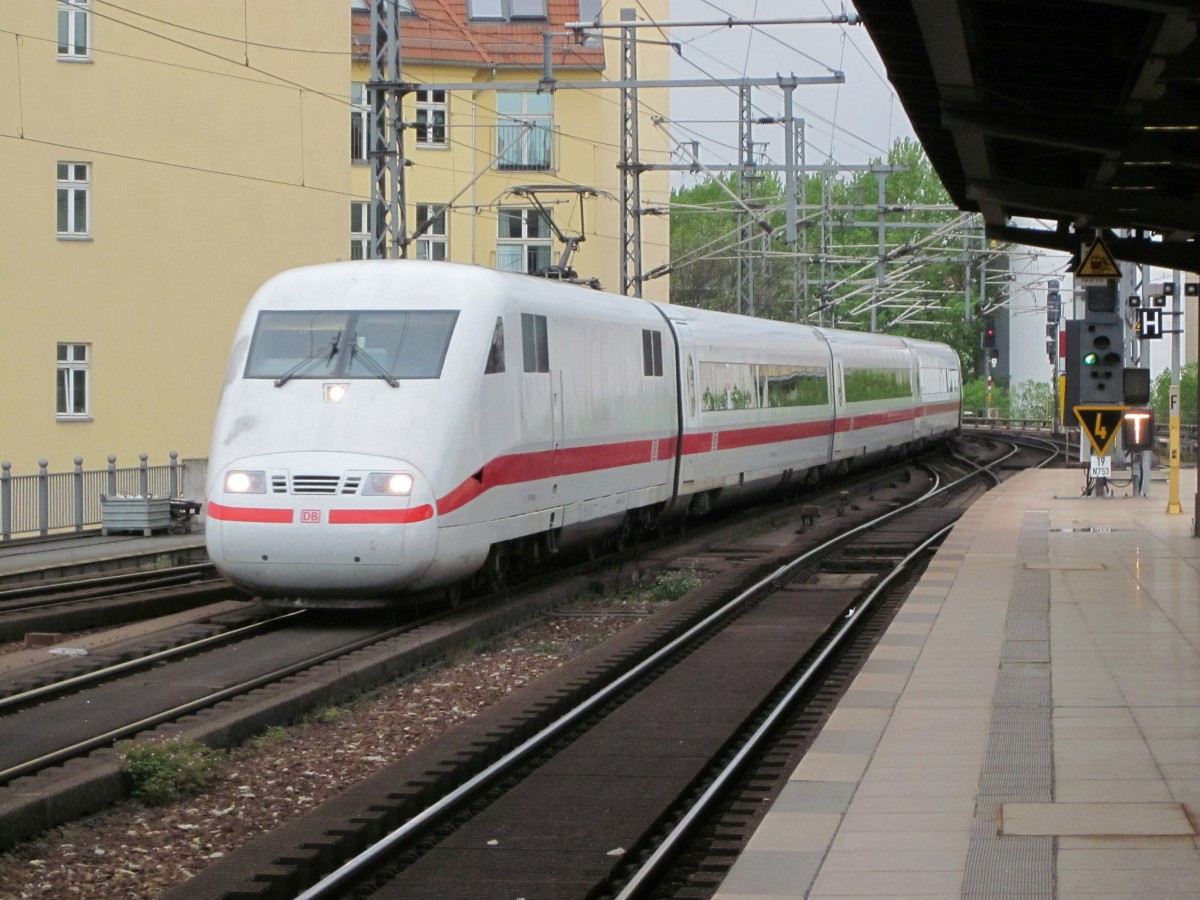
(1019,766)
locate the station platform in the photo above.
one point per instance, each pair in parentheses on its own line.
(1028,727)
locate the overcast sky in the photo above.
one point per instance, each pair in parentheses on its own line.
(851,123)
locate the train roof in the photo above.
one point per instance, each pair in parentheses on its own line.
(370,284)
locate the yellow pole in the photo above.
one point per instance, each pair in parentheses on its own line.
(1173,506)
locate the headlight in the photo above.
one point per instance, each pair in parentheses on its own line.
(239,482)
(394,484)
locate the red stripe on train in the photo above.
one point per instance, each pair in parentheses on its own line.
(520,468)
(249,514)
(380,516)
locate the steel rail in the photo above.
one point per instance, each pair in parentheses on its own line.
(650,868)
(65,753)
(59,687)
(42,587)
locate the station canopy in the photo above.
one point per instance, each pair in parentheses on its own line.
(1083,114)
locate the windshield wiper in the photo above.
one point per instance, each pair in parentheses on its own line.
(369,363)
(331,346)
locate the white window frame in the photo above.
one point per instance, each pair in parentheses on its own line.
(74,16)
(591,11)
(74,376)
(360,229)
(435,242)
(360,122)
(433,118)
(511,250)
(524,132)
(404,7)
(73,200)
(507,10)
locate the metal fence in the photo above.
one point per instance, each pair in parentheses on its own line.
(58,501)
(1188,434)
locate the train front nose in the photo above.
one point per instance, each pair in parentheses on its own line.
(303,526)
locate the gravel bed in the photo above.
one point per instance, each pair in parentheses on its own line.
(135,851)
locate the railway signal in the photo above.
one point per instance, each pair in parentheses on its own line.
(1149,324)
(1101,424)
(1099,364)
(1137,429)
(1053,303)
(989,333)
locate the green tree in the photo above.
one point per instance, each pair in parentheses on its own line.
(833,282)
(975,397)
(1032,400)
(1161,392)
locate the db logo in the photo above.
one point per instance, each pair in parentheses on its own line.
(309,516)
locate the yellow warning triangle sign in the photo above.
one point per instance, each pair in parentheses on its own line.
(1097,262)
(1100,424)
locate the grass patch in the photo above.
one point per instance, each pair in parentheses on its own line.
(160,772)
(672,585)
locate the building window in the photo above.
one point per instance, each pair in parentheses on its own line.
(535,345)
(524,129)
(524,242)
(360,229)
(404,7)
(72,381)
(507,10)
(591,11)
(360,121)
(74,29)
(434,242)
(431,118)
(74,208)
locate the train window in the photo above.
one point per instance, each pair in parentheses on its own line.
(761,386)
(691,386)
(402,344)
(934,380)
(877,384)
(388,344)
(535,343)
(651,352)
(295,344)
(495,360)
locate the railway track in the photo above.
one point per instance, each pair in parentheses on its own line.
(419,795)
(234,720)
(74,604)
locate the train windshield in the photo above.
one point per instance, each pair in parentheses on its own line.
(388,345)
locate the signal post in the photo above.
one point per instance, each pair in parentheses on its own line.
(1095,364)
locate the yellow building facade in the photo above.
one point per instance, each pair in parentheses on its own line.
(471,153)
(160,160)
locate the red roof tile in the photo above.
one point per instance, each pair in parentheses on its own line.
(440,32)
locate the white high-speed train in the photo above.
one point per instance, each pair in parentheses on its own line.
(399,426)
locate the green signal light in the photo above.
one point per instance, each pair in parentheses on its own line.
(1091,359)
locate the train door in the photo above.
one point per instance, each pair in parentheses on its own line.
(689,402)
(836,397)
(538,394)
(837,450)
(557,420)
